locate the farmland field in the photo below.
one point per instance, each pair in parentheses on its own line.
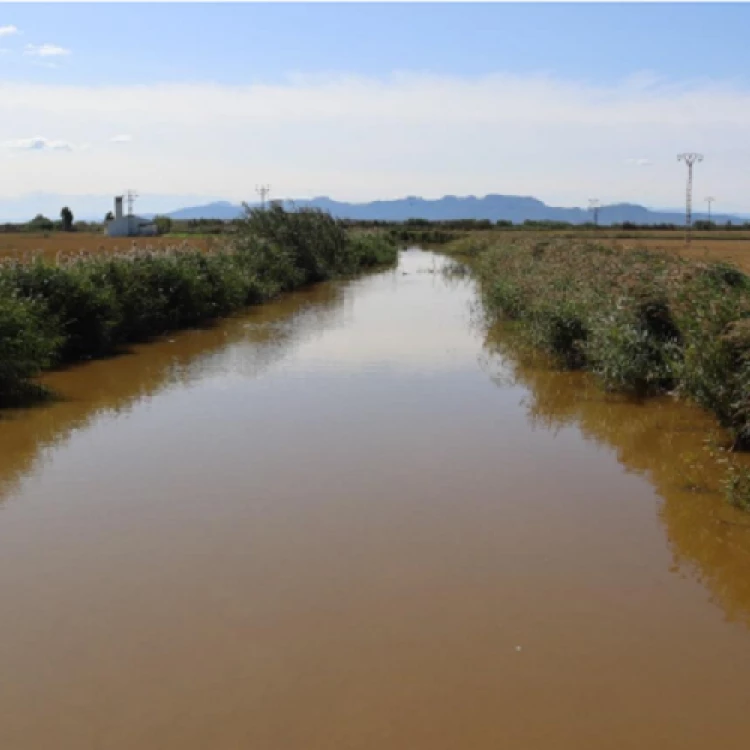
(717,245)
(50,244)
(733,247)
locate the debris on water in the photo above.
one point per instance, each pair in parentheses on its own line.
(518,648)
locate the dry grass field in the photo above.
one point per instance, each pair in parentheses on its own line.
(733,247)
(735,250)
(730,246)
(50,245)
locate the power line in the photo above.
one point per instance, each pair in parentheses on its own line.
(689,158)
(594,206)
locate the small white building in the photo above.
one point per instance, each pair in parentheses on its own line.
(129,226)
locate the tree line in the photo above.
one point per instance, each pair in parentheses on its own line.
(165,225)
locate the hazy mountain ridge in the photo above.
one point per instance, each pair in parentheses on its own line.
(492,207)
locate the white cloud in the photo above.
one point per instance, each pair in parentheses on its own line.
(641,162)
(358,139)
(45,50)
(38,144)
(9,30)
(121,139)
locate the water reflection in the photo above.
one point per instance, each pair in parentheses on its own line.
(325,512)
(314,324)
(245,346)
(667,441)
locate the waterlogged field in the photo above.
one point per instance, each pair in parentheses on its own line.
(358,517)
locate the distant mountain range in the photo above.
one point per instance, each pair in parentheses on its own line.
(493,207)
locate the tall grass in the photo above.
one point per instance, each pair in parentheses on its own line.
(28,342)
(644,322)
(406,235)
(88,306)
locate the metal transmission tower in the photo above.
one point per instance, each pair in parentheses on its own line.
(131,195)
(709,200)
(689,159)
(594,206)
(263,191)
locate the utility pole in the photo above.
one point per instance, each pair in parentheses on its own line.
(709,200)
(689,159)
(263,191)
(132,195)
(594,206)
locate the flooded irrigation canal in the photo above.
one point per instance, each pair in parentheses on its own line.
(351,519)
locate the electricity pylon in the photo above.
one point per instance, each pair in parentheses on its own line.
(263,191)
(689,159)
(594,206)
(709,200)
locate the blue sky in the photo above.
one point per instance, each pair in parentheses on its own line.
(247,43)
(362,101)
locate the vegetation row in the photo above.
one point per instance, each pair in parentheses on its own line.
(439,228)
(89,306)
(643,322)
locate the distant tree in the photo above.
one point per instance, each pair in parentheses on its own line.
(66,216)
(547,224)
(163,224)
(702,225)
(40,223)
(109,217)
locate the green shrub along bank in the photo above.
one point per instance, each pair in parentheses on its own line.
(644,322)
(421,236)
(89,306)
(28,343)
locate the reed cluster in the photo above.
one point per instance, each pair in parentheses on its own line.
(643,322)
(89,305)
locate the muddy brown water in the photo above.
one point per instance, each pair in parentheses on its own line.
(355,519)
